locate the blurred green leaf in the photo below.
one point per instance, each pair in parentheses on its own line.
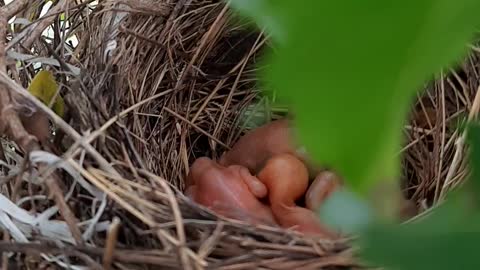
(351,68)
(255,114)
(346,211)
(474,143)
(265,13)
(410,249)
(446,240)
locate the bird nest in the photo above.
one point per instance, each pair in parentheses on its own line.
(149,87)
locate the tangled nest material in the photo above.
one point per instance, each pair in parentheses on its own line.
(150,86)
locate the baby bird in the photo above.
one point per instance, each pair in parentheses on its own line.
(229,191)
(321,188)
(254,148)
(286,179)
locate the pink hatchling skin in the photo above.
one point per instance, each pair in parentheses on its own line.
(254,148)
(229,191)
(257,146)
(286,178)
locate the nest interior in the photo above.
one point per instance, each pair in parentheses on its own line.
(158,84)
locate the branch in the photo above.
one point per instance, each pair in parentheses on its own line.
(44,22)
(11,125)
(13,8)
(126,256)
(18,90)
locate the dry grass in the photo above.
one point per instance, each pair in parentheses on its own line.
(434,155)
(151,86)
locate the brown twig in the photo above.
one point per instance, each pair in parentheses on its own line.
(44,23)
(4,13)
(112,237)
(13,87)
(197,128)
(460,145)
(12,126)
(6,239)
(13,8)
(126,256)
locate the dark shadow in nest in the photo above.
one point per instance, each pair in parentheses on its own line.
(229,52)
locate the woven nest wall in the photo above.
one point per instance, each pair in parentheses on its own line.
(150,87)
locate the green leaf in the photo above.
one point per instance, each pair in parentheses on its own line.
(474,142)
(410,249)
(265,14)
(350,70)
(446,240)
(345,211)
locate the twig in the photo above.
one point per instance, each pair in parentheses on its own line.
(4,11)
(214,29)
(178,218)
(148,221)
(196,127)
(207,246)
(460,145)
(6,239)
(44,23)
(237,79)
(13,8)
(13,86)
(12,126)
(442,146)
(3,38)
(127,256)
(85,142)
(111,243)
